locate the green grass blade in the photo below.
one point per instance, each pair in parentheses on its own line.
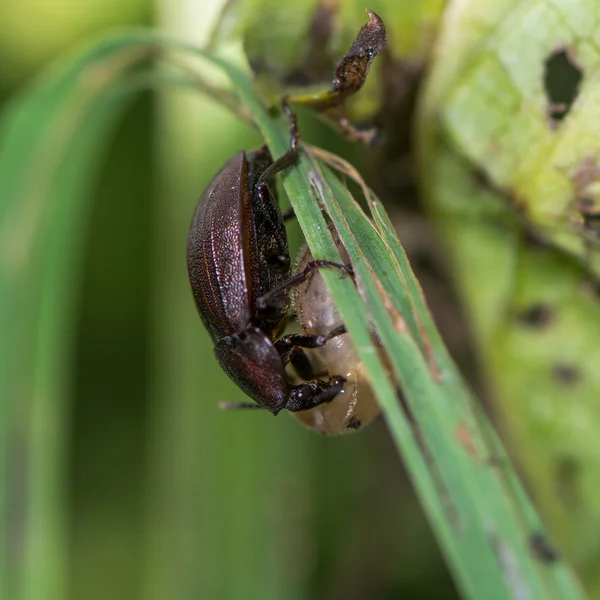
(51,142)
(479,519)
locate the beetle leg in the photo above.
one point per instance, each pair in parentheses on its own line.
(315,392)
(290,350)
(285,160)
(339,330)
(262,303)
(286,345)
(302,365)
(291,156)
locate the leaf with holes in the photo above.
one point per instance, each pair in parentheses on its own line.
(509,150)
(517,96)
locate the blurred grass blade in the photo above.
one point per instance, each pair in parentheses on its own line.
(51,142)
(224,487)
(479,519)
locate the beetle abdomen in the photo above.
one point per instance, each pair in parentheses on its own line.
(220,242)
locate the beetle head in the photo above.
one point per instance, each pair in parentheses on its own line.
(251,360)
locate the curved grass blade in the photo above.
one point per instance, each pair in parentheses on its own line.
(479,520)
(51,141)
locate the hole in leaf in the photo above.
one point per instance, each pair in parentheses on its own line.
(562,77)
(537,315)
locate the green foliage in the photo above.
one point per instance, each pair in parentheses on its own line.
(492,92)
(48,160)
(494,164)
(50,148)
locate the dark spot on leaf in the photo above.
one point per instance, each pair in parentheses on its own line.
(533,241)
(354,423)
(587,172)
(592,224)
(562,77)
(589,209)
(566,374)
(537,315)
(587,206)
(566,475)
(542,548)
(585,178)
(481,179)
(591,286)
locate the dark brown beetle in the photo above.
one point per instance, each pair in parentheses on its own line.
(239,268)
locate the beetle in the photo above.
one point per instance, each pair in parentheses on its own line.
(316,313)
(239,269)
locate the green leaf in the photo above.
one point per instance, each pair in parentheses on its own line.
(52,138)
(500,176)
(515,88)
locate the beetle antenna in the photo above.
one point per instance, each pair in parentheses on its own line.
(238,405)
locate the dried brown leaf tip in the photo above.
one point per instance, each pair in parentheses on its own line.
(351,72)
(348,77)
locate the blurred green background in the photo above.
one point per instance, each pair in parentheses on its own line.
(166,496)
